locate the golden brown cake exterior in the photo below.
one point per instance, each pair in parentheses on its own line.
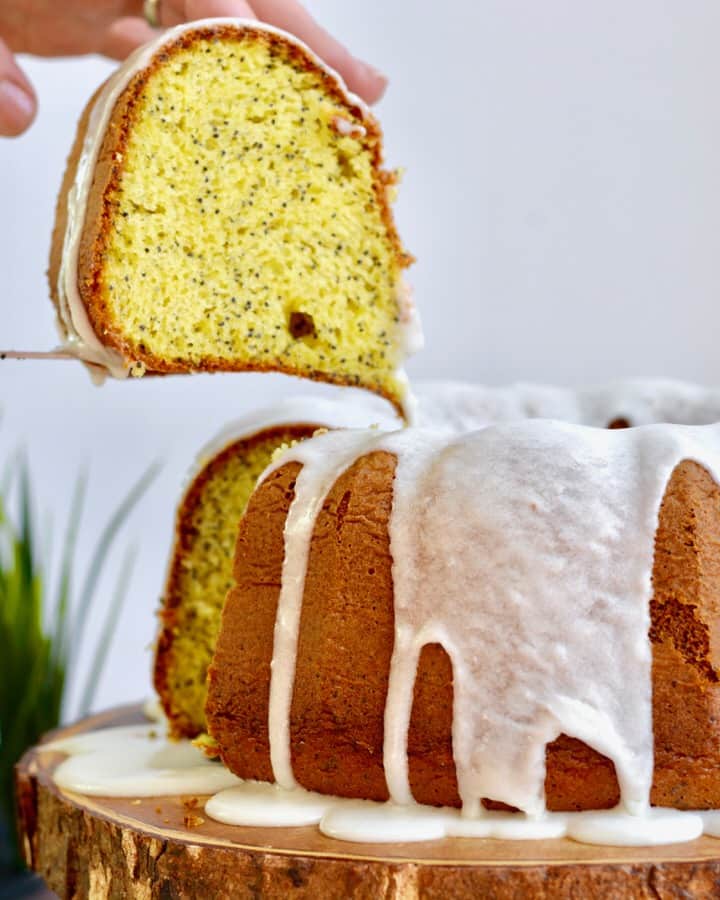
(685,615)
(346,639)
(206,520)
(101,208)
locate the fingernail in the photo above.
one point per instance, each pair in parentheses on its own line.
(376,74)
(377,78)
(17,107)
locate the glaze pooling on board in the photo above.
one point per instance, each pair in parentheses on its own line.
(548,632)
(134,761)
(79,335)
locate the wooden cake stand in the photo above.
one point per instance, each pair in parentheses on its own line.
(167,848)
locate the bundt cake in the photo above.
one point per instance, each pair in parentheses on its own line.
(200,569)
(519,616)
(225,208)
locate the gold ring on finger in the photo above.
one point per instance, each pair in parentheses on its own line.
(151,11)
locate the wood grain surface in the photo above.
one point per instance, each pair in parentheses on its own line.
(167,848)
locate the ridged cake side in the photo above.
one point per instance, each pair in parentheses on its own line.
(346,639)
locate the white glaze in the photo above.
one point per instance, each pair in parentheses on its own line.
(153,710)
(711,822)
(461,406)
(348,129)
(617,829)
(80,338)
(382,823)
(508,826)
(414,450)
(263,805)
(365,411)
(319,473)
(135,762)
(413,338)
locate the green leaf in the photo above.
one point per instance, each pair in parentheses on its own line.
(62,604)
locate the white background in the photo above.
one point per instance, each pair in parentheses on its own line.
(562,196)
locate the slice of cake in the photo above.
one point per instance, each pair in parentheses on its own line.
(207,520)
(225,209)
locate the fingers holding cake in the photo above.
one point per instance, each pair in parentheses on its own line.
(17,97)
(291,16)
(129,32)
(117,27)
(125,34)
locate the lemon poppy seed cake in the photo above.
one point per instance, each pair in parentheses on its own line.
(200,569)
(208,516)
(225,208)
(525,615)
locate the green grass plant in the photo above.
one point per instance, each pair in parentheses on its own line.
(42,627)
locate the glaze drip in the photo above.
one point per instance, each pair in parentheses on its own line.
(136,762)
(317,476)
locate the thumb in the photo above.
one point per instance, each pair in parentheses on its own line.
(17,97)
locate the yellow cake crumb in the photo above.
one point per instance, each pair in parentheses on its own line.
(248,228)
(204,576)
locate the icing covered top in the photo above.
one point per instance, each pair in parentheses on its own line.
(80,337)
(462,406)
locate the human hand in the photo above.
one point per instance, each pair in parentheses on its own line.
(115,27)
